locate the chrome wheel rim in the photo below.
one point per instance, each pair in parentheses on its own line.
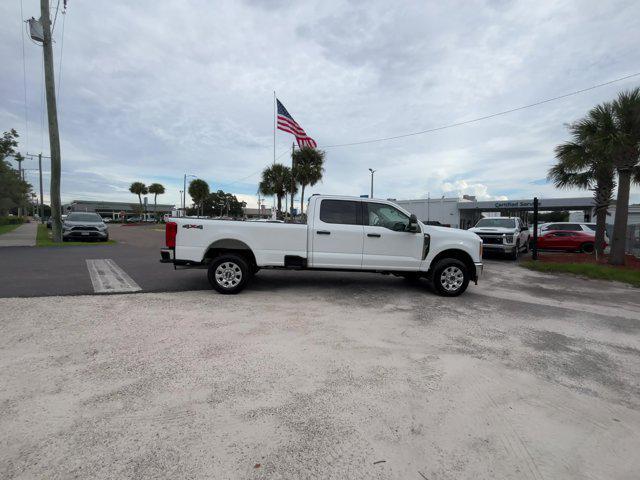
(228,274)
(451,278)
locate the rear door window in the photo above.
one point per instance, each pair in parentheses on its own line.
(345,212)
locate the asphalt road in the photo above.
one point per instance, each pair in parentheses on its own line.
(52,271)
(306,376)
(34,272)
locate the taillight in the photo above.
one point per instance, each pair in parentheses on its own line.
(171,230)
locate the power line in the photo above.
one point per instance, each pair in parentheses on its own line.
(485,117)
(252,174)
(465,122)
(55,18)
(64,16)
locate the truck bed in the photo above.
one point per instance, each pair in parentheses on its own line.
(270,242)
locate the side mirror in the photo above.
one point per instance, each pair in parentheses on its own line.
(413,223)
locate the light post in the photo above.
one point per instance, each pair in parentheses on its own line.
(372,172)
(184,195)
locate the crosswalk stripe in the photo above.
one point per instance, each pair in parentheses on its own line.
(108,277)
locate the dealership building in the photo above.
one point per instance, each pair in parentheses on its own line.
(116,210)
(465,212)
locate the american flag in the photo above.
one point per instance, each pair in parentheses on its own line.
(286,123)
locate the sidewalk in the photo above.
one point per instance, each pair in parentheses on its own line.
(23,236)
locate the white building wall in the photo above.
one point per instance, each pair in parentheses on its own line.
(633,218)
(444,210)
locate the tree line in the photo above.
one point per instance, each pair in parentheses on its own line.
(280,180)
(14,191)
(214,204)
(604,152)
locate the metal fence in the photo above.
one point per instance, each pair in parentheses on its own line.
(632,244)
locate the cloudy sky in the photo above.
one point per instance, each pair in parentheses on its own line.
(154,89)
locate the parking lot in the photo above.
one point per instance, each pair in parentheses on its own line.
(317,375)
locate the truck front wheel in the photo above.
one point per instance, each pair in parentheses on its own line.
(450,277)
(229,274)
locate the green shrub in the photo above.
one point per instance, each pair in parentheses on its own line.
(11,220)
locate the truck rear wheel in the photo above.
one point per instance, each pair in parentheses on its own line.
(229,274)
(450,277)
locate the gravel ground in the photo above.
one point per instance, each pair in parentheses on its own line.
(526,376)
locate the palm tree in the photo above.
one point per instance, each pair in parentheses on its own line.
(581,164)
(199,191)
(139,188)
(308,169)
(276,180)
(156,189)
(624,144)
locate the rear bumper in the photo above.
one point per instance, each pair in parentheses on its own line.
(166,255)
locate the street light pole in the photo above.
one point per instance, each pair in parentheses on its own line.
(184,194)
(372,172)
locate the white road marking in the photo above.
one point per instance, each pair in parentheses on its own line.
(108,277)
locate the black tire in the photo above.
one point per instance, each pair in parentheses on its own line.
(526,247)
(446,277)
(516,252)
(229,274)
(587,247)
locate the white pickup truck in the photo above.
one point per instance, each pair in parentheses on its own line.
(342,233)
(507,235)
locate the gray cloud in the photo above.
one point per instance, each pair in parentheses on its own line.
(151,90)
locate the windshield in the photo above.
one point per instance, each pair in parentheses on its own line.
(84,217)
(497,222)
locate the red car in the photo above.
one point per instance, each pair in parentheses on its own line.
(578,241)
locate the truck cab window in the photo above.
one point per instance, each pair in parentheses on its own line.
(381,215)
(340,211)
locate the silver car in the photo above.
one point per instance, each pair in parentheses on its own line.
(84,226)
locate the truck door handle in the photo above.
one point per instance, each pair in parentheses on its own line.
(323,232)
(377,235)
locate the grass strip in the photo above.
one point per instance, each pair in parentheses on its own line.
(43,239)
(589,270)
(8,228)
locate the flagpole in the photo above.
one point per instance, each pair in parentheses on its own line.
(274,127)
(293,148)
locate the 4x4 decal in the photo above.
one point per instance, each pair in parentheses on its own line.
(192,226)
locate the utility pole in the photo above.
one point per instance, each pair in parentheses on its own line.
(372,172)
(52,115)
(534,249)
(41,196)
(19,158)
